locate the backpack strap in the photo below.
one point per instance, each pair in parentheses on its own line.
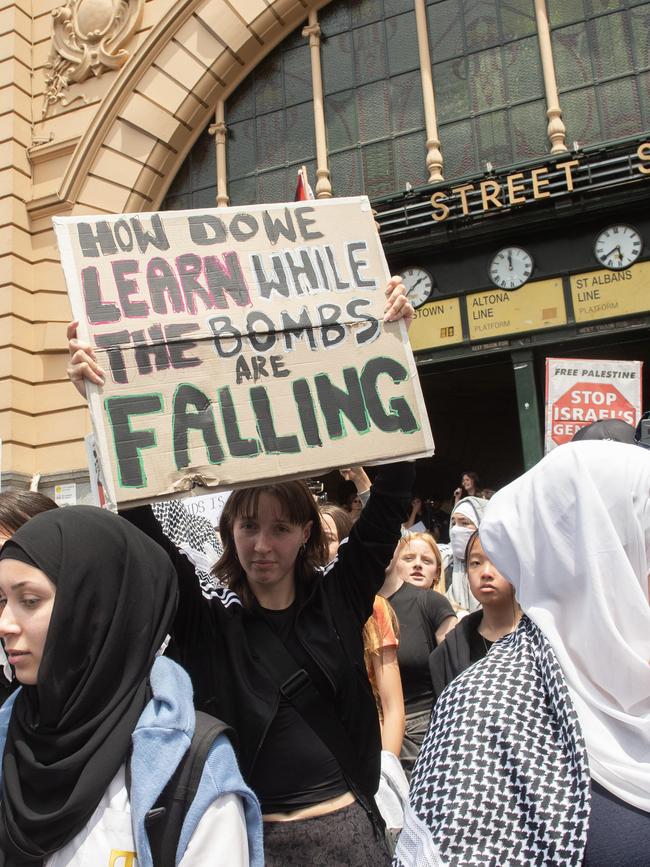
(297,687)
(164,822)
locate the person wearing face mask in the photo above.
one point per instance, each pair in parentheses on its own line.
(475,634)
(425,617)
(465,519)
(553,749)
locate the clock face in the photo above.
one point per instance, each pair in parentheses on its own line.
(419,284)
(617,247)
(511,267)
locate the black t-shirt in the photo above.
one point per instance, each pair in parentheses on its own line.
(478,645)
(420,613)
(294,768)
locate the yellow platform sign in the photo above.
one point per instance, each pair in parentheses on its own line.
(533,307)
(607,294)
(437,324)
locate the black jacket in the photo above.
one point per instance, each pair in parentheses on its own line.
(211,642)
(452,657)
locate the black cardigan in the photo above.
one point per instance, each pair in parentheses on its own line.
(452,657)
(210,639)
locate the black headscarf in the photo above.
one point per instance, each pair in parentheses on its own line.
(68,736)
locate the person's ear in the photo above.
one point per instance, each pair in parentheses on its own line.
(306,531)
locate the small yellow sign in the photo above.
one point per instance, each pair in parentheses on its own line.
(437,324)
(607,294)
(534,306)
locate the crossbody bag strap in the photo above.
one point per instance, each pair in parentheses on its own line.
(295,684)
(164,822)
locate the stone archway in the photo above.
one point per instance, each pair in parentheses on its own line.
(157,107)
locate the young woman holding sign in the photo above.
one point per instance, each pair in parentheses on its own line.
(279,654)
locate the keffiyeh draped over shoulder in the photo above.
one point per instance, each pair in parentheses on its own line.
(194,536)
(502,777)
(573,537)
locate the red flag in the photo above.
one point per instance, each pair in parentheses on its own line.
(303,190)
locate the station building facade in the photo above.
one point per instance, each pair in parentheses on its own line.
(504,146)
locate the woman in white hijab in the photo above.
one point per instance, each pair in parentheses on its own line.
(549,763)
(465,519)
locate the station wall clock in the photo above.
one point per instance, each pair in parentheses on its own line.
(419,284)
(511,267)
(617,247)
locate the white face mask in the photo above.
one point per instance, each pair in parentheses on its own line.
(459,537)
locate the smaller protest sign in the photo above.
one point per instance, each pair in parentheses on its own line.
(580,391)
(209,506)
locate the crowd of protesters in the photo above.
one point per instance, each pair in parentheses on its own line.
(333,655)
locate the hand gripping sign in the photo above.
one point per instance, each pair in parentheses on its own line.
(241,345)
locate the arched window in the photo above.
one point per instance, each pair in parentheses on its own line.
(270,120)
(373,96)
(488,82)
(488,85)
(602,57)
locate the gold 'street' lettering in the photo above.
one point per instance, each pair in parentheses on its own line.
(539,181)
(512,190)
(568,166)
(514,187)
(462,192)
(643,153)
(490,193)
(440,210)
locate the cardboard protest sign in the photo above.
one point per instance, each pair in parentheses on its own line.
(580,391)
(241,345)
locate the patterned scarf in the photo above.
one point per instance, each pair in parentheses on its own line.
(199,541)
(194,536)
(502,777)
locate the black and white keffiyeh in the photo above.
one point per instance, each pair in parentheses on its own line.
(572,535)
(198,540)
(502,777)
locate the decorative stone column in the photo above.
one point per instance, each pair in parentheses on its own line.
(219,130)
(556,130)
(323,183)
(434,155)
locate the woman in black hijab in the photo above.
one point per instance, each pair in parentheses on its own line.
(86,601)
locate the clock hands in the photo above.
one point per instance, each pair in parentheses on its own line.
(417,283)
(615,249)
